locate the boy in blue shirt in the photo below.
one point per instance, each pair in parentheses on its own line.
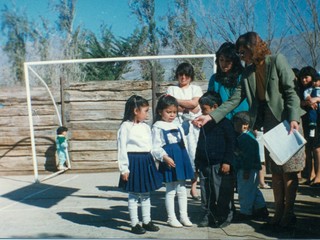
(214,160)
(62,146)
(247,166)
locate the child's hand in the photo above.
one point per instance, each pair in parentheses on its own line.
(246,175)
(314,106)
(169,161)
(225,168)
(125,176)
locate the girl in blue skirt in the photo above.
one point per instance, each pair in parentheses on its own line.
(139,175)
(175,166)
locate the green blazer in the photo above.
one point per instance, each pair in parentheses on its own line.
(281,96)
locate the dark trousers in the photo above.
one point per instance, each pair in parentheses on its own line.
(217,191)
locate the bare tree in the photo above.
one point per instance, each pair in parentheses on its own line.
(16,27)
(181,35)
(144,10)
(223,20)
(71,38)
(305,23)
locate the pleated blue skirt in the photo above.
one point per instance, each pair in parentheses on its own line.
(183,169)
(144,176)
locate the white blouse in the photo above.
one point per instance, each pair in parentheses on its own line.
(188,93)
(132,137)
(158,139)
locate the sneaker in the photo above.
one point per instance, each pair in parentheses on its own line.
(137,229)
(150,227)
(174,223)
(186,222)
(62,167)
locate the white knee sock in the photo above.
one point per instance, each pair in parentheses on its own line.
(145,208)
(182,199)
(170,194)
(133,208)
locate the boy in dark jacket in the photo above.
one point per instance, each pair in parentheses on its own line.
(247,166)
(214,160)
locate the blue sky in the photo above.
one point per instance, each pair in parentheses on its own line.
(90,14)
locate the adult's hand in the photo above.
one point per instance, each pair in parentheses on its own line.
(294,125)
(201,120)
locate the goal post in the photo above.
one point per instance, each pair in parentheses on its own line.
(28,68)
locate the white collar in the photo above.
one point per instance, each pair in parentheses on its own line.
(165,125)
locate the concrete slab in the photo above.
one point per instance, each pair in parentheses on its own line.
(89,205)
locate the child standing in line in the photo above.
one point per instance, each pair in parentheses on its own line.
(175,166)
(313,113)
(214,160)
(248,165)
(62,147)
(139,175)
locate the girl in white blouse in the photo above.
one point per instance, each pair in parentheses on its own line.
(169,148)
(187,95)
(139,175)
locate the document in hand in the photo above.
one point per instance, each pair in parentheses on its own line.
(282,145)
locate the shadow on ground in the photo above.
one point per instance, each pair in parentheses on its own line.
(40,194)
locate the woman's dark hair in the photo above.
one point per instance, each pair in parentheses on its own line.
(308,71)
(185,68)
(230,79)
(210,98)
(61,129)
(132,103)
(253,42)
(296,72)
(164,102)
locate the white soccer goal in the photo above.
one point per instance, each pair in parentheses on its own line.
(28,68)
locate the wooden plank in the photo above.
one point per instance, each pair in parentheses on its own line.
(98,95)
(92,145)
(94,155)
(20,150)
(111,85)
(94,135)
(95,115)
(23,121)
(95,125)
(25,140)
(105,105)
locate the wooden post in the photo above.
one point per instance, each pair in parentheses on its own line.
(154,88)
(62,98)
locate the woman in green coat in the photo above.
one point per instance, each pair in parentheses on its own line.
(268,84)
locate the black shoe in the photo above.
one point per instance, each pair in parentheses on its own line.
(240,217)
(204,222)
(261,214)
(289,222)
(137,229)
(223,224)
(150,227)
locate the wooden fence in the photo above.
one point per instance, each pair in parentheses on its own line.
(92,111)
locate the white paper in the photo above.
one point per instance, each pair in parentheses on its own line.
(260,141)
(282,145)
